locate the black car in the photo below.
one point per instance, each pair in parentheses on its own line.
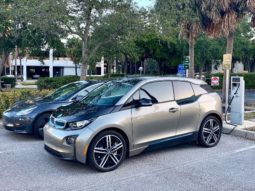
(31,115)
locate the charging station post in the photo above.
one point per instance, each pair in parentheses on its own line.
(237,100)
(227,61)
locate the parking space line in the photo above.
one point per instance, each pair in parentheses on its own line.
(244,149)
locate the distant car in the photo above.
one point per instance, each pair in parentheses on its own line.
(31,115)
(126,117)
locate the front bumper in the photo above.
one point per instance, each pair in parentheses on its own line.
(19,124)
(55,142)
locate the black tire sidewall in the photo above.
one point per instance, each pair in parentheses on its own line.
(40,121)
(201,140)
(91,159)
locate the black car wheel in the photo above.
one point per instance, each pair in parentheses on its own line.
(40,123)
(210,132)
(107,151)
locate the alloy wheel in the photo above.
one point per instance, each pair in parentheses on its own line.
(108,152)
(211,132)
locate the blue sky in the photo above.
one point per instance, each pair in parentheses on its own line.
(145,3)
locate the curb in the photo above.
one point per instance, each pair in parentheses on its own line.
(239,132)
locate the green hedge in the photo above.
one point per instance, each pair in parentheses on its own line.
(7,99)
(8,80)
(56,82)
(249,79)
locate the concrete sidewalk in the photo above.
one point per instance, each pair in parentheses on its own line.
(240,130)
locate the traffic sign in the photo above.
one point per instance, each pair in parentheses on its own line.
(186,62)
(227,61)
(181,70)
(215,81)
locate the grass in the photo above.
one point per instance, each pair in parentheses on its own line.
(249,116)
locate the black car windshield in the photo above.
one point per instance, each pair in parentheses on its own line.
(109,94)
(65,91)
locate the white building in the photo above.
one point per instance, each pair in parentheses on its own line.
(33,68)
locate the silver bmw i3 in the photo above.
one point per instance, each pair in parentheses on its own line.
(126,117)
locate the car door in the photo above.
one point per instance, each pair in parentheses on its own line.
(189,107)
(158,121)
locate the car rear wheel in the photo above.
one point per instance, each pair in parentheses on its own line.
(210,132)
(107,151)
(40,123)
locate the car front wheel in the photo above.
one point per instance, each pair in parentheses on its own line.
(107,151)
(210,132)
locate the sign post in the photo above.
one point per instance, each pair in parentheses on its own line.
(227,60)
(186,65)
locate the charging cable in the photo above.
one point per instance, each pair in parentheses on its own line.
(226,112)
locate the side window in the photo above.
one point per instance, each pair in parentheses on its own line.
(158,92)
(183,92)
(202,89)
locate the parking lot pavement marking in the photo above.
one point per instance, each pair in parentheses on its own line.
(244,149)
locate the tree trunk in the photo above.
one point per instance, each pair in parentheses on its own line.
(191,55)
(229,50)
(84,65)
(2,60)
(144,66)
(76,72)
(109,65)
(125,64)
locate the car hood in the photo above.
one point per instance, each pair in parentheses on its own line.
(78,112)
(29,102)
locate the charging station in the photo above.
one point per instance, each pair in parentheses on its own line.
(237,100)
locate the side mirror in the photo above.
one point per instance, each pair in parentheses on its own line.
(77,98)
(144,103)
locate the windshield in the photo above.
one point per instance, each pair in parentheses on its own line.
(65,91)
(109,94)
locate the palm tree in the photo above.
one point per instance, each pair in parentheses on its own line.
(183,16)
(221,17)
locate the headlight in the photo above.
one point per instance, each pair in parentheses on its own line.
(26,111)
(78,125)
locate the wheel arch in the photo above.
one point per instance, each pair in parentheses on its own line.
(120,131)
(214,114)
(37,117)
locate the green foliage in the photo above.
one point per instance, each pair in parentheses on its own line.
(7,99)
(8,80)
(74,49)
(56,82)
(207,50)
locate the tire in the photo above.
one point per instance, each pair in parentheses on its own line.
(210,132)
(107,151)
(39,124)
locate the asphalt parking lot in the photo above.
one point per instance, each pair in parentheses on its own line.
(24,165)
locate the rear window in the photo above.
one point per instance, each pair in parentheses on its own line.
(202,89)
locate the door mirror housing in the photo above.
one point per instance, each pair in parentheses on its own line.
(144,103)
(77,98)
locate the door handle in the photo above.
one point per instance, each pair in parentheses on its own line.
(173,109)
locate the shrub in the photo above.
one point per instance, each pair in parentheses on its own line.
(8,80)
(249,79)
(56,82)
(7,99)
